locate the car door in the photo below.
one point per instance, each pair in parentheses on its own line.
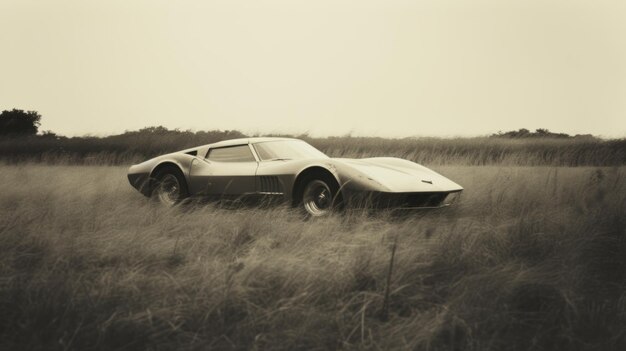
(227,170)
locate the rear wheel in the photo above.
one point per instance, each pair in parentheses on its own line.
(318,198)
(169,187)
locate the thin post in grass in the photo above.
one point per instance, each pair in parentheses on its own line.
(384,313)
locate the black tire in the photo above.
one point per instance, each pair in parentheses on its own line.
(169,186)
(319,196)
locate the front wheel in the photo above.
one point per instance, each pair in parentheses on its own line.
(169,187)
(318,198)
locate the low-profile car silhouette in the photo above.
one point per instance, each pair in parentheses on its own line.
(293,171)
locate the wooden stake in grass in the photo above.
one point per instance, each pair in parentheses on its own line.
(384,313)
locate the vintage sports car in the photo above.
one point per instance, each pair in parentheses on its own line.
(293,171)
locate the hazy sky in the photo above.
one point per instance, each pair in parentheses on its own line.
(384,68)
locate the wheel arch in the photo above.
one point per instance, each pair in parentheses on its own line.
(312,172)
(163,165)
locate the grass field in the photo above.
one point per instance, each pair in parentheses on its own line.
(533,258)
(133,147)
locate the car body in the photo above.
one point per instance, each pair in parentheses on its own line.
(293,171)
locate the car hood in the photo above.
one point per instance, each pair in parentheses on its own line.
(395,175)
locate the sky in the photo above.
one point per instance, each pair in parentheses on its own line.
(362,67)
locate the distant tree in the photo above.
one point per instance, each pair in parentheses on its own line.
(525,133)
(522,133)
(48,134)
(153,130)
(18,122)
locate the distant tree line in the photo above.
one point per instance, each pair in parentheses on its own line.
(21,142)
(26,123)
(538,133)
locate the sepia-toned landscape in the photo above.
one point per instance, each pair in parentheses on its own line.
(517,244)
(533,257)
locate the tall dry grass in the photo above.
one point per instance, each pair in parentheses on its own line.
(134,147)
(533,258)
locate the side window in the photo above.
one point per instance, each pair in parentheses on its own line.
(239,153)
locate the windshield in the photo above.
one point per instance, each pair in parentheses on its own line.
(286,150)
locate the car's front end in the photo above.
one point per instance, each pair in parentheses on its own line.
(404,200)
(391,183)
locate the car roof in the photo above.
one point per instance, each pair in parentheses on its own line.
(233,142)
(242,141)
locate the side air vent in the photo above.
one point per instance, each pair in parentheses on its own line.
(270,184)
(192,153)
